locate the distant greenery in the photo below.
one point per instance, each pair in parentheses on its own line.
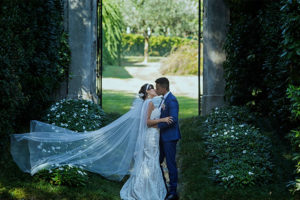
(160,17)
(112,31)
(133,45)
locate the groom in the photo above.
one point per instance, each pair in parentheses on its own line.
(169,133)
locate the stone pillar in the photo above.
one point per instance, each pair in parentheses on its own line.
(80,21)
(215,20)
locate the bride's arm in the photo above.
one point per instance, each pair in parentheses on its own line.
(154,122)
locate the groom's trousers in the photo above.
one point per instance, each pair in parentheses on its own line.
(168,151)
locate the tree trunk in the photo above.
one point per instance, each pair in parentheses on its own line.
(146,48)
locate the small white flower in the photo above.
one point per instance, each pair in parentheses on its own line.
(58,115)
(217,171)
(250,173)
(48,115)
(232,127)
(246,134)
(57,147)
(63,113)
(242,125)
(231,176)
(53,148)
(206,120)
(225,133)
(225,125)
(57,104)
(60,168)
(44,150)
(244,151)
(83,127)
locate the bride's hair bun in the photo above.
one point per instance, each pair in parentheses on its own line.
(143,92)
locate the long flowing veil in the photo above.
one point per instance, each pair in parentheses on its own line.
(110,151)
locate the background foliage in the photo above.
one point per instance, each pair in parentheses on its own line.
(262,50)
(34,59)
(112,23)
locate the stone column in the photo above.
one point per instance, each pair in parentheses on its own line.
(216,18)
(80,21)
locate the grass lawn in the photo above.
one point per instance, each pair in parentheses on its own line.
(195,169)
(120,102)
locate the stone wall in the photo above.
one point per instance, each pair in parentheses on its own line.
(215,19)
(80,21)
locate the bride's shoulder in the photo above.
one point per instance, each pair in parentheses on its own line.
(156,100)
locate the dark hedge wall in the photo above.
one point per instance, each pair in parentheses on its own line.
(34,60)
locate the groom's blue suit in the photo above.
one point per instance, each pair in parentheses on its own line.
(169,135)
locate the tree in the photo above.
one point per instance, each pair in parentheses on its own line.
(167,17)
(112,30)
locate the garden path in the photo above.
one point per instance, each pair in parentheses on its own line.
(179,85)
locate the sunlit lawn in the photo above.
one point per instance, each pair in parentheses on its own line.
(120,102)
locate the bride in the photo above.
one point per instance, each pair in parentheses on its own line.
(128,145)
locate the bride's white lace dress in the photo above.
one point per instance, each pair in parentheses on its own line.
(148,183)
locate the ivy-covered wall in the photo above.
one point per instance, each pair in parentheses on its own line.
(34,60)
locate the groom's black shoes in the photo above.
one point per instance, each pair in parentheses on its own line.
(172,197)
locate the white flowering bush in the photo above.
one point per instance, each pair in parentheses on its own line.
(240,153)
(77,115)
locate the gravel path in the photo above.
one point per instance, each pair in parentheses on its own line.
(179,85)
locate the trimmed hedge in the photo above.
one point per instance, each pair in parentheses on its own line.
(133,45)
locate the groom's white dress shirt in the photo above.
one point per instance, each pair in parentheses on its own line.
(164,98)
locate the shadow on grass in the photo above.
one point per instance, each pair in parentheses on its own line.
(14,184)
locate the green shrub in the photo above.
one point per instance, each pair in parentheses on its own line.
(182,61)
(77,115)
(240,153)
(294,136)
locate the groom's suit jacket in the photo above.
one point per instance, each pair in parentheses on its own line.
(170,132)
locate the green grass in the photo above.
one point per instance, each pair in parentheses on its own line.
(120,102)
(195,169)
(14,184)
